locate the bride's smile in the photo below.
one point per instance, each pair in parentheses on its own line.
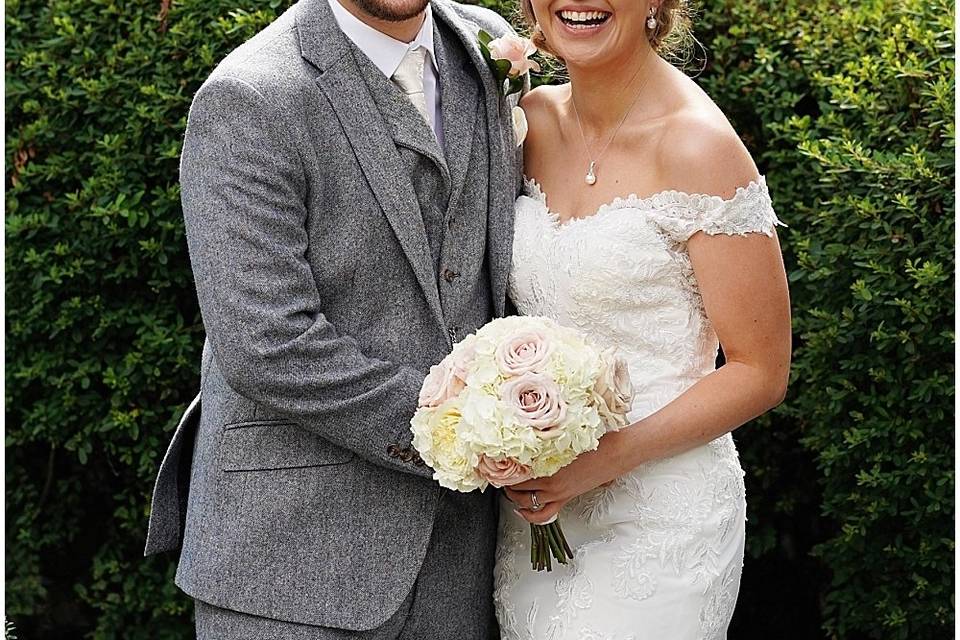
(582,21)
(591,32)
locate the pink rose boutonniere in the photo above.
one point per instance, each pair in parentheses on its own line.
(509,59)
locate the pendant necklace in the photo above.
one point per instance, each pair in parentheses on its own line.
(591,177)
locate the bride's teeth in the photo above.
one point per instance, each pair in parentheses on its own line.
(582,16)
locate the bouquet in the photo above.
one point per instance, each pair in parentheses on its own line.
(519,399)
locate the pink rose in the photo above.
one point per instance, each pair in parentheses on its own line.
(461,359)
(614,388)
(515,50)
(523,353)
(503,473)
(441,384)
(537,400)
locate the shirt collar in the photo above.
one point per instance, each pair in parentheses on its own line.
(385,52)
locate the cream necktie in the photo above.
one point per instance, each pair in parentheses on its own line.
(409,77)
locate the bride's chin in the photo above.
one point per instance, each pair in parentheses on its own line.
(586,56)
(585,60)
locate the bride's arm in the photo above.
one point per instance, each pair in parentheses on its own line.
(744,290)
(745,295)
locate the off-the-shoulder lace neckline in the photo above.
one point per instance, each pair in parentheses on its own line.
(657,200)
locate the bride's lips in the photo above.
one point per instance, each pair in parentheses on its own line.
(580,21)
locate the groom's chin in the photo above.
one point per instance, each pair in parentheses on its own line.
(393,10)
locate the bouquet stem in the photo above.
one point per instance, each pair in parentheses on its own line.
(546,541)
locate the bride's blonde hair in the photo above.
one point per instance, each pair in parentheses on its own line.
(672,38)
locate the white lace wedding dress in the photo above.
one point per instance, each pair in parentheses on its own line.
(658,553)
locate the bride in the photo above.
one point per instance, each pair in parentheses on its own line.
(656,514)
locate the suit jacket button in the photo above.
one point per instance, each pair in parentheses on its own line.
(406,455)
(449,275)
(393,451)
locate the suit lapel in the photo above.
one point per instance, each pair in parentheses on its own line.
(466,33)
(407,127)
(324,45)
(503,170)
(459,103)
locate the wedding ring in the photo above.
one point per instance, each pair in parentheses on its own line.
(536,503)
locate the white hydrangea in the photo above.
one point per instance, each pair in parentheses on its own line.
(436,437)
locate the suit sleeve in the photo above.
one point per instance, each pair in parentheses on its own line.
(243,191)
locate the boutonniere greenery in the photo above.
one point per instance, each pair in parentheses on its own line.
(509,60)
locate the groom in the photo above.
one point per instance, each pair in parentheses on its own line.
(348,178)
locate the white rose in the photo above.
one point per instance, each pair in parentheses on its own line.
(520,127)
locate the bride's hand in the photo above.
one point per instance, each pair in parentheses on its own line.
(587,472)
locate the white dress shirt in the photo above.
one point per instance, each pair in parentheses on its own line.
(386,53)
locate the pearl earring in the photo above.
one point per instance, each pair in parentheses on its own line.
(651,19)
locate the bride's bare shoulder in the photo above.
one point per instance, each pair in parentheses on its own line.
(542,104)
(542,108)
(697,150)
(700,152)
(545,95)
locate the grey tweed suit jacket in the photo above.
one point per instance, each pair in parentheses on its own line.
(293,493)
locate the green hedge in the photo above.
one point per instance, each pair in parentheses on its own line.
(103,329)
(848,110)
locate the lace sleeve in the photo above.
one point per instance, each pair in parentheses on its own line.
(750,210)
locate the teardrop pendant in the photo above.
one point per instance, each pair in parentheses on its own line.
(591,178)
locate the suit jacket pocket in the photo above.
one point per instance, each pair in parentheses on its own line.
(270,445)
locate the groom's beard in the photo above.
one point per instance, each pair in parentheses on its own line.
(392,10)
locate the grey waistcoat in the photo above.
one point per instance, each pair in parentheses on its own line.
(450,185)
